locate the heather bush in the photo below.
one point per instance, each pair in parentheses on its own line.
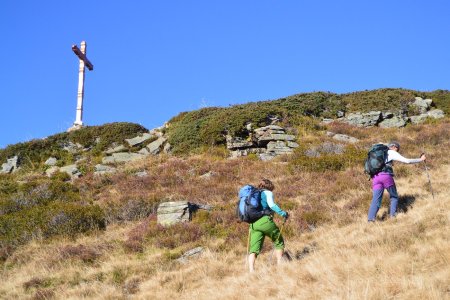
(98,138)
(81,252)
(44,221)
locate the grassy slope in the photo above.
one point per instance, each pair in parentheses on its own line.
(406,257)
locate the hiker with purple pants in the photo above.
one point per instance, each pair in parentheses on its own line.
(385,180)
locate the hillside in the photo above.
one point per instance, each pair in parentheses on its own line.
(96,236)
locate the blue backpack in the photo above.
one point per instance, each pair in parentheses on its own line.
(249,208)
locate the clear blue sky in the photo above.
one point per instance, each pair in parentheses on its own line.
(155,59)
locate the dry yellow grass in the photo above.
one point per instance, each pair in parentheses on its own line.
(402,258)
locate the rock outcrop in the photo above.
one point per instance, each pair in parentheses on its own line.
(11,165)
(390,119)
(266,142)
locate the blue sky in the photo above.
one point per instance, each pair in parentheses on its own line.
(155,59)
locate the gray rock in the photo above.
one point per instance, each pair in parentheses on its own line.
(102,169)
(369,119)
(72,147)
(234,143)
(330,134)
(155,147)
(167,148)
(418,119)
(142,174)
(126,157)
(340,114)
(207,175)
(278,148)
(51,161)
(52,170)
(421,104)
(196,252)
(11,165)
(139,139)
(436,113)
(144,151)
(267,156)
(345,138)
(72,170)
(276,137)
(394,122)
(108,160)
(292,144)
(173,212)
(119,148)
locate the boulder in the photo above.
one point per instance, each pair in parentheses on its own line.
(102,169)
(144,151)
(418,119)
(363,119)
(345,138)
(173,212)
(278,148)
(126,157)
(72,147)
(423,105)
(276,137)
(393,122)
(167,148)
(119,148)
(436,113)
(51,161)
(142,174)
(234,143)
(267,156)
(139,139)
(52,170)
(155,146)
(72,170)
(11,165)
(196,252)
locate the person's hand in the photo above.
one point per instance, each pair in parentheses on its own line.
(423,157)
(286,216)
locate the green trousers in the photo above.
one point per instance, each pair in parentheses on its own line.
(262,228)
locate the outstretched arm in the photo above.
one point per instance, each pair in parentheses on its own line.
(394,155)
(272,205)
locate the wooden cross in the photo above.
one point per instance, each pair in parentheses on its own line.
(84,62)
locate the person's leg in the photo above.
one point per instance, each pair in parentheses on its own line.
(256,242)
(278,242)
(251,262)
(377,196)
(394,200)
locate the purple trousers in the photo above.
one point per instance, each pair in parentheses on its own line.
(380,182)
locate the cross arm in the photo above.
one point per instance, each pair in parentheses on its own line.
(83,57)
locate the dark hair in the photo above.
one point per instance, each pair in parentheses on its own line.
(266,184)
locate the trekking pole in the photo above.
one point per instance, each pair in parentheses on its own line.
(279,234)
(428,175)
(248,249)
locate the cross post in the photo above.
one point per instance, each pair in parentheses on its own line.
(84,62)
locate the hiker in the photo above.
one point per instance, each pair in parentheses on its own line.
(385,180)
(265,226)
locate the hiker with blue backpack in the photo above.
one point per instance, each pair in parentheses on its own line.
(257,206)
(379,165)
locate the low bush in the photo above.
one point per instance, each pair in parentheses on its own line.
(34,153)
(44,221)
(322,162)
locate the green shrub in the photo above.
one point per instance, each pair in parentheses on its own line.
(44,221)
(352,156)
(34,153)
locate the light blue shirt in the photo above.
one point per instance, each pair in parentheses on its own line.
(267,202)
